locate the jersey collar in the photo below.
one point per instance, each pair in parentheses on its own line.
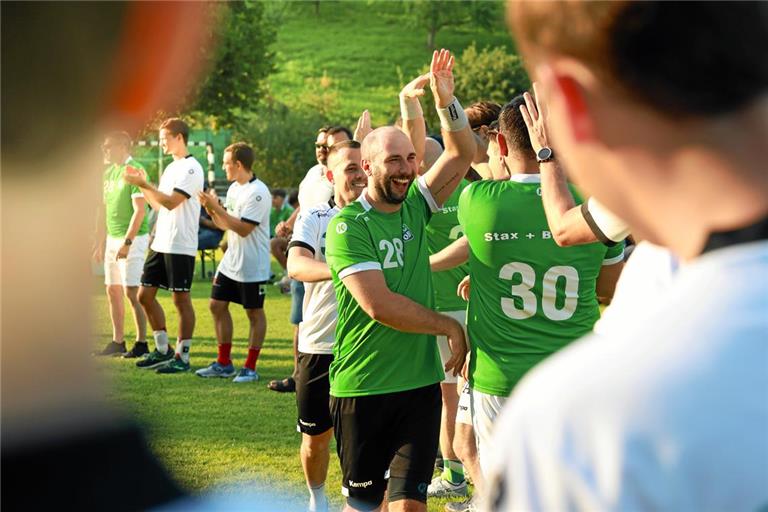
(363,201)
(525,178)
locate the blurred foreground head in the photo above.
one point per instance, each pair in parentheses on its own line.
(660,109)
(71,72)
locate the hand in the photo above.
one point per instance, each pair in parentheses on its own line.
(282,230)
(465,369)
(363,126)
(134,176)
(457,342)
(415,87)
(463,289)
(441,77)
(209,199)
(535,117)
(122,252)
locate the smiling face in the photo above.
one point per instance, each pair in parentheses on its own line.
(349,180)
(230,166)
(391,164)
(169,142)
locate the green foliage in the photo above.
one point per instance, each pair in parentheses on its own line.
(434,15)
(241,62)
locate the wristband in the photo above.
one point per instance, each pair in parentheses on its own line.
(410,108)
(452,117)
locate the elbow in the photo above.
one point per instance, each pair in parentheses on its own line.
(375,310)
(562,237)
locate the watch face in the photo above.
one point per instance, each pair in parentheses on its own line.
(544,154)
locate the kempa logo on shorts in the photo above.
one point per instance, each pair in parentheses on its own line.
(362,485)
(307,424)
(341,228)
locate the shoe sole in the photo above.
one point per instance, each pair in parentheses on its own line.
(217,376)
(156,365)
(244,381)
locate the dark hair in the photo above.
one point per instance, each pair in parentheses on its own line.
(278,192)
(512,127)
(176,127)
(293,198)
(333,130)
(681,58)
(482,113)
(242,153)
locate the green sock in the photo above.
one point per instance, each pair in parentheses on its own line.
(453,471)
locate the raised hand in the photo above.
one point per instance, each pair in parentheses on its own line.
(415,87)
(363,126)
(209,199)
(134,176)
(535,116)
(441,77)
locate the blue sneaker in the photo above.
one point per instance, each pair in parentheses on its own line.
(216,369)
(246,375)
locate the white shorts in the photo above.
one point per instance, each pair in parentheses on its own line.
(485,409)
(125,272)
(442,342)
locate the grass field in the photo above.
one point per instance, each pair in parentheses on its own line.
(212,432)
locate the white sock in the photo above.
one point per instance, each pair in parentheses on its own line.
(317,500)
(161,341)
(182,349)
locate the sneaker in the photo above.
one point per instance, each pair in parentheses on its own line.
(467,505)
(216,369)
(246,375)
(175,365)
(442,488)
(139,349)
(112,349)
(155,359)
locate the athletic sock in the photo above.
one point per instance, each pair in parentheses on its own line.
(317,500)
(182,350)
(224,354)
(161,340)
(453,471)
(253,356)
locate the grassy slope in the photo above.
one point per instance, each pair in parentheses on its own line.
(360,46)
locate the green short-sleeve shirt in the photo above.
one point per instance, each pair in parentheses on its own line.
(118,196)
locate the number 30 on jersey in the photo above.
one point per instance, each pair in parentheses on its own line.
(549,292)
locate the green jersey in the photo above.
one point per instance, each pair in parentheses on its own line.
(118,202)
(370,358)
(442,231)
(529,297)
(277,216)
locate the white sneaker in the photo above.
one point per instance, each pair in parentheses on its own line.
(246,375)
(467,505)
(444,489)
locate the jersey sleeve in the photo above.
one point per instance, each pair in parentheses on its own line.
(464,198)
(257,206)
(186,180)
(306,232)
(348,248)
(607,227)
(614,254)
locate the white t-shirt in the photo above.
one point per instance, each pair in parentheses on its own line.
(606,226)
(247,258)
(316,331)
(644,280)
(671,414)
(315,188)
(176,230)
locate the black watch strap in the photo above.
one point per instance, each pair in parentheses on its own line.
(127,241)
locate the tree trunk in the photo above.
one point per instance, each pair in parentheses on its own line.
(431,38)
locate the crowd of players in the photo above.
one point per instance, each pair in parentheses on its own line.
(430,275)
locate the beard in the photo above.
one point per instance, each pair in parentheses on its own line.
(384,189)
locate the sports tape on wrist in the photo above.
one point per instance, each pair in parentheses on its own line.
(410,108)
(452,117)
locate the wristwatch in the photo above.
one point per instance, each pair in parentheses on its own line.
(127,241)
(545,154)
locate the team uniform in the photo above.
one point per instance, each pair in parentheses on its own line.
(669,413)
(385,394)
(444,229)
(317,329)
(118,206)
(171,261)
(277,216)
(529,297)
(244,269)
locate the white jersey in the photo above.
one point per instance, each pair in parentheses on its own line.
(644,280)
(176,230)
(316,331)
(247,258)
(668,414)
(315,188)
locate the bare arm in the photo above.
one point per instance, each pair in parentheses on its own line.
(414,125)
(399,312)
(443,178)
(606,281)
(303,266)
(137,218)
(156,198)
(221,218)
(565,219)
(452,256)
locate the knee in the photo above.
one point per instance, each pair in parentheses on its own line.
(114,292)
(314,446)
(182,300)
(217,307)
(132,294)
(145,298)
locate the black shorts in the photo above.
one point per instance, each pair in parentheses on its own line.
(313,391)
(248,295)
(394,433)
(173,272)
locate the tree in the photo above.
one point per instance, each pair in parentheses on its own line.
(239,63)
(433,15)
